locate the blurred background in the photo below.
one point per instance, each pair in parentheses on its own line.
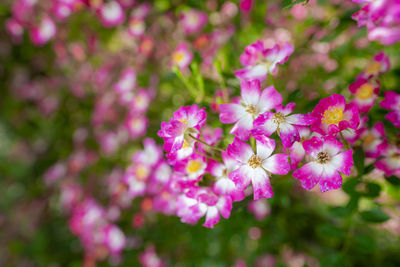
(67,136)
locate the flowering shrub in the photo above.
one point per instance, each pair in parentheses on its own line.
(129,128)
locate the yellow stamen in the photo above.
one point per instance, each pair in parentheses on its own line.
(177,57)
(333,115)
(368,139)
(373,68)
(365,91)
(193,166)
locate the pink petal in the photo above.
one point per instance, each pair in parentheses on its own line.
(212,217)
(242,128)
(343,162)
(300,119)
(309,175)
(270,98)
(330,180)
(230,113)
(250,91)
(240,151)
(288,134)
(264,124)
(242,176)
(313,146)
(261,185)
(332,146)
(277,164)
(265,146)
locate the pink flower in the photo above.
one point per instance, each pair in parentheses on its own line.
(380,64)
(182,56)
(111,14)
(136,27)
(136,125)
(365,93)
(224,185)
(373,140)
(186,120)
(254,103)
(260,208)
(259,61)
(254,166)
(44,32)
(15,28)
(296,151)
(149,258)
(140,102)
(113,238)
(127,81)
(333,115)
(392,102)
(193,20)
(326,163)
(282,123)
(390,163)
(207,204)
(193,167)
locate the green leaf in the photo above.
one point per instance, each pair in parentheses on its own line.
(375,215)
(372,190)
(393,180)
(365,244)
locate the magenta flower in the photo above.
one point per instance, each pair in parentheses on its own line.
(256,167)
(254,103)
(111,14)
(182,56)
(326,163)
(127,82)
(193,167)
(390,163)
(136,27)
(44,32)
(206,204)
(282,123)
(365,93)
(296,151)
(136,125)
(392,102)
(259,61)
(380,64)
(224,185)
(374,140)
(333,115)
(186,120)
(193,20)
(113,238)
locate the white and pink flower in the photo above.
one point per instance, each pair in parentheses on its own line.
(283,123)
(193,20)
(111,14)
(259,60)
(327,161)
(182,56)
(333,115)
(392,102)
(255,167)
(365,93)
(254,103)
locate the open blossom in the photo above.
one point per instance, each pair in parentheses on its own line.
(205,203)
(193,20)
(373,140)
(111,14)
(136,125)
(182,56)
(283,123)
(193,167)
(380,64)
(296,151)
(44,32)
(127,81)
(259,61)
(390,163)
(333,115)
(256,167)
(392,102)
(113,238)
(149,258)
(254,103)
(365,93)
(136,26)
(186,120)
(326,163)
(224,185)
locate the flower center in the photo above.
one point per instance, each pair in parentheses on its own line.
(255,161)
(183,120)
(333,115)
(278,118)
(193,166)
(369,139)
(365,91)
(142,172)
(373,68)
(322,157)
(251,109)
(177,56)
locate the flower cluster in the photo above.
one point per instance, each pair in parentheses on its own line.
(380,18)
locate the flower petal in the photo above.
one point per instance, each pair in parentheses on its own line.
(343,162)
(261,185)
(309,175)
(240,151)
(277,164)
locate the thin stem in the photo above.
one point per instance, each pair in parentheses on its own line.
(204,143)
(346,144)
(225,94)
